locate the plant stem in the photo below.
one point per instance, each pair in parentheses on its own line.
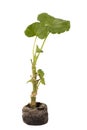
(34,77)
(33,51)
(41,48)
(38,84)
(35,82)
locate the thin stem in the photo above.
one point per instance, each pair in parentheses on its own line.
(38,84)
(34,47)
(41,47)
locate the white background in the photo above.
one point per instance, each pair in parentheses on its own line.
(64,61)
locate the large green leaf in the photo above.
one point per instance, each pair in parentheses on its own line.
(32,29)
(54,25)
(47,24)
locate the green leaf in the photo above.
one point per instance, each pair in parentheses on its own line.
(47,24)
(38,50)
(29,81)
(42,31)
(32,29)
(36,29)
(45,19)
(40,73)
(59,26)
(54,25)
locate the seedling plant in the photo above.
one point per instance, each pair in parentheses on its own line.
(41,29)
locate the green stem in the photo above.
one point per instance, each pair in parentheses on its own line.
(34,77)
(34,73)
(34,83)
(38,84)
(41,48)
(33,51)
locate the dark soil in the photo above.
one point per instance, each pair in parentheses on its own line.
(35,116)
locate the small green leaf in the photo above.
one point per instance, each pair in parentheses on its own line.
(38,50)
(40,73)
(29,81)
